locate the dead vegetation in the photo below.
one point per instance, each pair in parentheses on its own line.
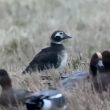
(25,28)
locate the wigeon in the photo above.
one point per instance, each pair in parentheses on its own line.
(99,70)
(51,99)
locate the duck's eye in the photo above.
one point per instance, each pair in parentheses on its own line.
(61,33)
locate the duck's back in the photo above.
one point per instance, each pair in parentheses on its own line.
(46,58)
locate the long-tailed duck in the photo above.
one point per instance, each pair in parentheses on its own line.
(53,56)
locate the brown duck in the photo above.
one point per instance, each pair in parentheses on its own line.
(10,96)
(100,71)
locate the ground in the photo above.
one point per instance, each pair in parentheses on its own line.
(26,27)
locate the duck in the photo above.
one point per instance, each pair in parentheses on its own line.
(95,63)
(9,95)
(51,99)
(53,56)
(70,81)
(99,70)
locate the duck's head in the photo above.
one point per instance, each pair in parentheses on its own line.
(58,36)
(106,58)
(5,80)
(96,61)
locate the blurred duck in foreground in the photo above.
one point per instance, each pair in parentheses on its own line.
(70,81)
(100,70)
(10,96)
(53,56)
(51,99)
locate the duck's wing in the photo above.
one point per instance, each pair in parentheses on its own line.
(53,95)
(46,58)
(50,92)
(73,78)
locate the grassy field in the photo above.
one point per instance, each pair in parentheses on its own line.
(26,27)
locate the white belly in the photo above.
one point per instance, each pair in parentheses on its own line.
(64,58)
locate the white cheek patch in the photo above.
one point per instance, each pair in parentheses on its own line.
(56,96)
(100,63)
(59,34)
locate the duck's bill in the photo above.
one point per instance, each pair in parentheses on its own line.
(67,37)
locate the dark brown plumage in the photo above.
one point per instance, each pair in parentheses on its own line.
(100,71)
(46,59)
(10,96)
(106,58)
(95,59)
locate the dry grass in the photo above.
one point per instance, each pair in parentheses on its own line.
(25,28)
